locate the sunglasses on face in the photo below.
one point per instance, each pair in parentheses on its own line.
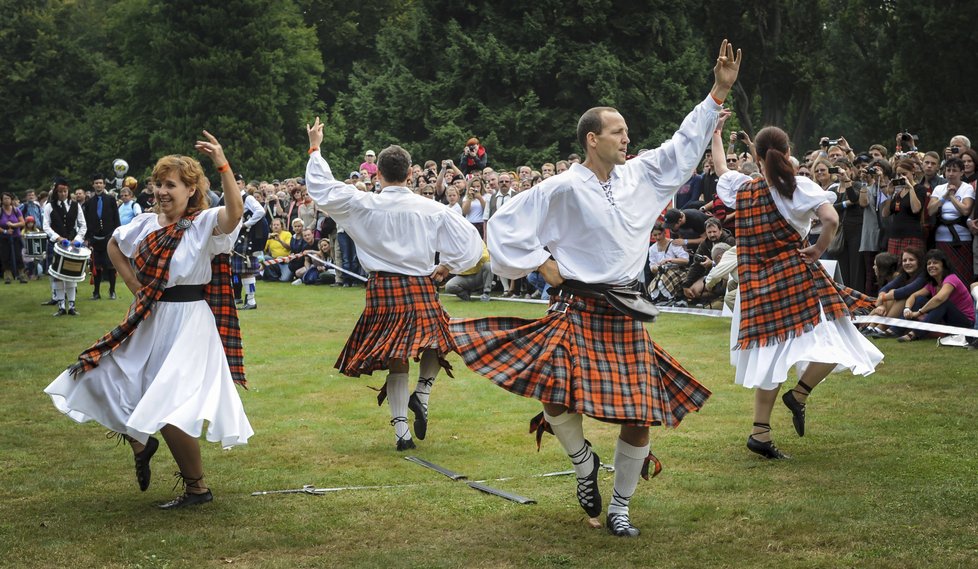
(427,193)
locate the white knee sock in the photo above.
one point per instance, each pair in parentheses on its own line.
(248,284)
(628,467)
(569,430)
(397,398)
(427,372)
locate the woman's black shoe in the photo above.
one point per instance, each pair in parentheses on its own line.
(797,412)
(187,499)
(765,449)
(142,463)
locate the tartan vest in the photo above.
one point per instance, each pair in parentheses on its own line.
(781,295)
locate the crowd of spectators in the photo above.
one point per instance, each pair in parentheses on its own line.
(897,210)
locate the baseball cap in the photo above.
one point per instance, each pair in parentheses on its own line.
(672,217)
(354,175)
(369,153)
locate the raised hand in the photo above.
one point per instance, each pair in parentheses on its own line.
(726,70)
(212,148)
(315,133)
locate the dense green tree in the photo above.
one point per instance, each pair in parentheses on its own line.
(246,70)
(518,75)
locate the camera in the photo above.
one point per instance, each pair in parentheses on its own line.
(898,182)
(955,149)
(741,135)
(697,258)
(833,142)
(907,137)
(833,169)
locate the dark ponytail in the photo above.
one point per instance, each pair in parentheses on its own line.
(771,145)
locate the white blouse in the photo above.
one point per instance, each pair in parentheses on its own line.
(798,211)
(191,263)
(396,231)
(673,251)
(949,213)
(594,237)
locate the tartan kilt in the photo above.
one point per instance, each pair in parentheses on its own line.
(402,318)
(897,245)
(960,258)
(591,359)
(242,263)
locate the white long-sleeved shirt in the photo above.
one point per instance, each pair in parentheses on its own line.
(727,267)
(592,240)
(396,231)
(81,228)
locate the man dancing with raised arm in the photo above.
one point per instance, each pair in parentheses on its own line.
(397,234)
(587,233)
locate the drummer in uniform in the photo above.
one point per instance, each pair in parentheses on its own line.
(63,219)
(102,218)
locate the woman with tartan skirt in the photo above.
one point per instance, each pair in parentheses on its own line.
(586,232)
(173,362)
(397,233)
(789,311)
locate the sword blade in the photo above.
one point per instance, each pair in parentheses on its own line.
(441,470)
(501,493)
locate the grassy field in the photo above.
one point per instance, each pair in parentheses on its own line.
(884,478)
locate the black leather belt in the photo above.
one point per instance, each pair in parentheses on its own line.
(183,293)
(630,299)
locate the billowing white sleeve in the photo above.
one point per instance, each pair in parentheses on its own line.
(669,166)
(257,211)
(513,234)
(336,197)
(727,187)
(458,242)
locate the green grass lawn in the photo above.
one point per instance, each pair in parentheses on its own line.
(886,476)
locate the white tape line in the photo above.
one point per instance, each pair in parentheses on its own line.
(916,325)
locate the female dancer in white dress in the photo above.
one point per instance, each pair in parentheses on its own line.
(172,364)
(789,311)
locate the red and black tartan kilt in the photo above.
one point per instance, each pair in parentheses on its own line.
(897,245)
(402,319)
(591,359)
(960,258)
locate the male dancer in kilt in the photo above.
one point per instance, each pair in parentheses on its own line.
(583,230)
(397,234)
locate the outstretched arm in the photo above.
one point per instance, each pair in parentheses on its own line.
(230,215)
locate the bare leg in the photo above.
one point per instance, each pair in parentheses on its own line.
(186,452)
(813,375)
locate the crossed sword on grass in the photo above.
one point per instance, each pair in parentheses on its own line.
(452,475)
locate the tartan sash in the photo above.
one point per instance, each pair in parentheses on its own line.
(153,271)
(781,296)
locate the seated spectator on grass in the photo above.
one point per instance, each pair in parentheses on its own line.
(476,280)
(943,300)
(724,272)
(302,242)
(278,244)
(694,287)
(536,280)
(667,262)
(897,288)
(314,272)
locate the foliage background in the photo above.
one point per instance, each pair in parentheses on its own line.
(85,81)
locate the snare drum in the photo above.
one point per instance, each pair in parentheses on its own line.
(36,244)
(69,263)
